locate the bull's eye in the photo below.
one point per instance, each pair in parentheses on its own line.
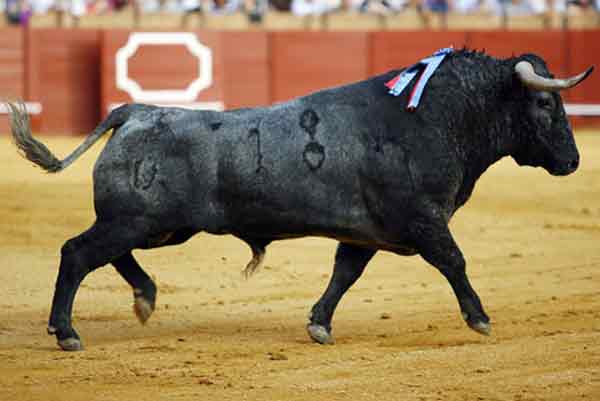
(544,103)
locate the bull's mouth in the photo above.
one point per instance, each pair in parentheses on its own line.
(550,164)
(563,168)
(557,166)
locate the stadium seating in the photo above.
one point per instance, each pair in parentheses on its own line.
(277,21)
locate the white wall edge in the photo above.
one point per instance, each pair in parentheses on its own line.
(31,107)
(580,109)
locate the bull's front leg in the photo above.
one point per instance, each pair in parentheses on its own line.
(435,244)
(350,262)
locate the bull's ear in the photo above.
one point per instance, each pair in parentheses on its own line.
(529,78)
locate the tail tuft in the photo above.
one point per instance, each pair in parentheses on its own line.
(30,148)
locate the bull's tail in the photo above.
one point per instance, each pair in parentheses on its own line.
(36,152)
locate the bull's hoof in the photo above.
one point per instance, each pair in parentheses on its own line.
(70,344)
(66,338)
(142,309)
(319,334)
(481,327)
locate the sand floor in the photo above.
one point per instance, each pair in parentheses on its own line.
(532,244)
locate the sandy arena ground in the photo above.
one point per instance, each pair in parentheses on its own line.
(532,244)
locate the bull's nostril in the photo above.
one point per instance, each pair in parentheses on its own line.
(574,164)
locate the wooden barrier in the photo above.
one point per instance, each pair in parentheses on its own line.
(63,73)
(246,69)
(153,66)
(239,77)
(302,62)
(583,52)
(392,50)
(73,73)
(12,68)
(550,45)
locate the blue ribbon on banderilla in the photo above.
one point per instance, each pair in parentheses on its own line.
(427,66)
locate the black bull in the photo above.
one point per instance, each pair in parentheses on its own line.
(348,163)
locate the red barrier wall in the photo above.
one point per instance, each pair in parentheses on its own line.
(550,45)
(64,75)
(240,69)
(156,67)
(303,62)
(246,69)
(12,68)
(72,72)
(583,51)
(391,50)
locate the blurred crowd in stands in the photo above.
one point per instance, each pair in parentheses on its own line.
(19,11)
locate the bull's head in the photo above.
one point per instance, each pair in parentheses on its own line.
(546,137)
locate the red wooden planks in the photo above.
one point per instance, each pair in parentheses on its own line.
(63,74)
(303,62)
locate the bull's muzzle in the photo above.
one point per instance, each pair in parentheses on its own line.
(565,166)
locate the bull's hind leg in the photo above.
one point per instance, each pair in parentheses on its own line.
(350,262)
(144,289)
(96,247)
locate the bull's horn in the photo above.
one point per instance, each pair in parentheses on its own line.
(527,75)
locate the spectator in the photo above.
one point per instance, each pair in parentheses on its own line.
(255,9)
(536,7)
(151,6)
(106,6)
(519,7)
(381,6)
(189,8)
(17,12)
(76,8)
(311,7)
(211,6)
(436,6)
(467,6)
(281,5)
(13,11)
(41,6)
(574,6)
